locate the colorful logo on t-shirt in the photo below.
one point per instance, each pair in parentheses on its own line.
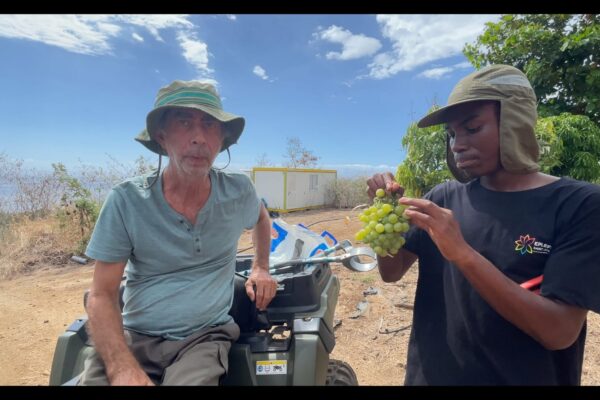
(524,244)
(527,244)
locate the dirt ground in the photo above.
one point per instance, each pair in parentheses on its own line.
(37,308)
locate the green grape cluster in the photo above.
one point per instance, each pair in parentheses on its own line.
(383,225)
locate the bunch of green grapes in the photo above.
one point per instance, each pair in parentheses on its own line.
(383,225)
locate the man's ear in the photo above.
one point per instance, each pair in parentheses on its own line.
(160,137)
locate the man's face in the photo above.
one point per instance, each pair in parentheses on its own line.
(473,129)
(192,139)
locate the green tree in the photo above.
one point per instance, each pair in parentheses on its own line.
(570,146)
(558,53)
(425,163)
(76,196)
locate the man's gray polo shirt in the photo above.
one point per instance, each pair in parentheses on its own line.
(179,275)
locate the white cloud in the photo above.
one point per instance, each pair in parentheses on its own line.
(84,34)
(421,39)
(194,51)
(353,46)
(155,23)
(92,34)
(465,64)
(231,17)
(66,31)
(441,72)
(260,72)
(436,73)
(108,28)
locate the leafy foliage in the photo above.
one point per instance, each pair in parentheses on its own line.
(558,53)
(570,146)
(425,163)
(77,204)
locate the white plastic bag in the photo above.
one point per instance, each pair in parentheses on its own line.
(294,241)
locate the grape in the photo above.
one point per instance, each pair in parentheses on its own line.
(384,225)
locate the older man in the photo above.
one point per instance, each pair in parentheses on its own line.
(175,236)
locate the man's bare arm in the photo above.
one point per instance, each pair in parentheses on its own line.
(106,327)
(260,278)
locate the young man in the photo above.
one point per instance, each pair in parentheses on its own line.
(175,236)
(478,239)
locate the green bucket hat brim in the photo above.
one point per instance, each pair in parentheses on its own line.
(144,138)
(234,125)
(192,95)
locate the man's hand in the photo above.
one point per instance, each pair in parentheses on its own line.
(441,226)
(383,181)
(266,287)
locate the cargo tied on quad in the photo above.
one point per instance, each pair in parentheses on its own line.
(287,344)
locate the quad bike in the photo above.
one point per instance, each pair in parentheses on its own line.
(288,344)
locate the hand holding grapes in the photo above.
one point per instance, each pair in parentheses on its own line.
(383,222)
(441,226)
(438,222)
(386,182)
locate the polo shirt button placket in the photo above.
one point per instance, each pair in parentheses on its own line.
(188,228)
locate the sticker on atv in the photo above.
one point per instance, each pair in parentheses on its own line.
(271,367)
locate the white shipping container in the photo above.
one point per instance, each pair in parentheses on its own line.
(291,189)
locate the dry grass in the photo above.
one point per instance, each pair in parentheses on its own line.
(28,245)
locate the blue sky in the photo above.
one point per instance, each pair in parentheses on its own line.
(76,89)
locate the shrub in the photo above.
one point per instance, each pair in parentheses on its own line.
(349,192)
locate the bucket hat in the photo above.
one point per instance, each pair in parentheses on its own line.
(189,94)
(519,150)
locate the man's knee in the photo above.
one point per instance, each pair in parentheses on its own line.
(204,364)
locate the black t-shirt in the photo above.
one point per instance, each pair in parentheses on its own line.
(457,338)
